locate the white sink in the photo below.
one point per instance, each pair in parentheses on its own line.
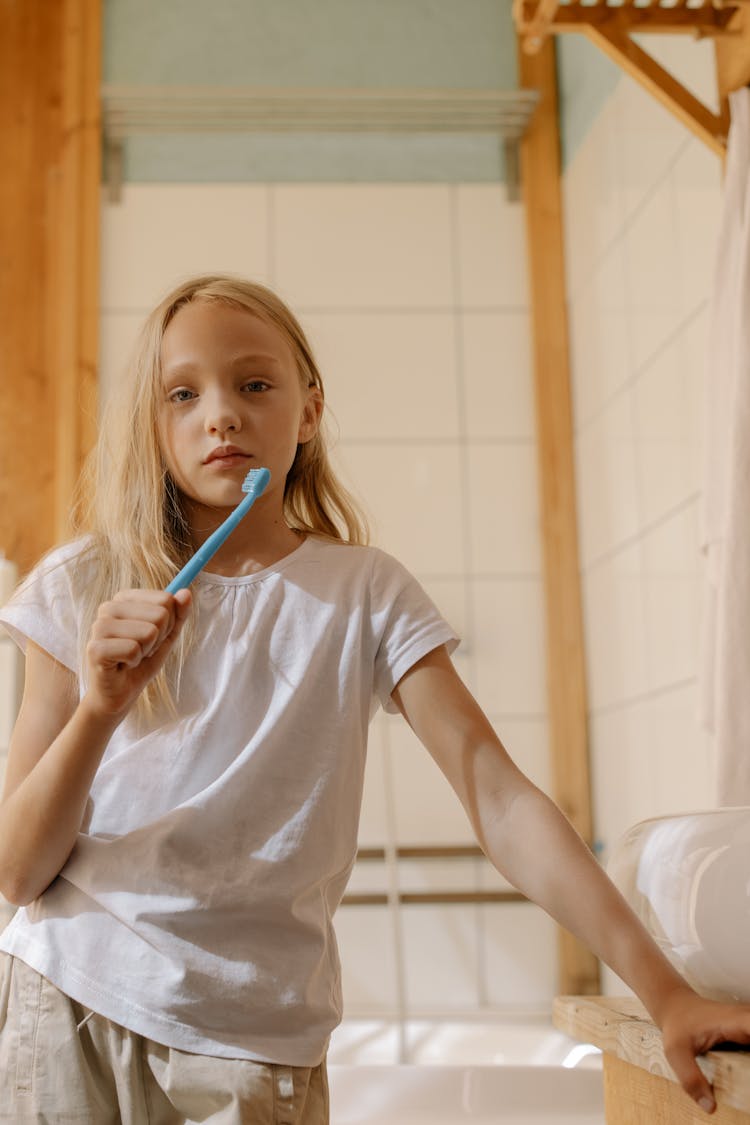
(688,879)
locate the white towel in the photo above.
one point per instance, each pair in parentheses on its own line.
(725,688)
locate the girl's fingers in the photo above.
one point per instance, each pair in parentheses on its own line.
(144,620)
(709,1024)
(691,1077)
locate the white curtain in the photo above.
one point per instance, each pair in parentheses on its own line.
(725,688)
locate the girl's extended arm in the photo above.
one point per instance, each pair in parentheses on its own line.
(58,742)
(529,840)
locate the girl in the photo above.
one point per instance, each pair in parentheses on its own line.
(181,800)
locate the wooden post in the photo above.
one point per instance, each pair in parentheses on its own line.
(733,58)
(540,177)
(49,232)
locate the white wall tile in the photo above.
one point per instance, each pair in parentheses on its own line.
(427,811)
(369,876)
(160,234)
(648,140)
(599,335)
(673,588)
(388,375)
(622,771)
(654,281)
(682,754)
(504,509)
(441,951)
(497,375)
(696,178)
(519,943)
(365,937)
(373,823)
(614,629)
(696,386)
(437,876)
(509,646)
(414,494)
(117,337)
(349,246)
(592,198)
(606,480)
(663,438)
(491,248)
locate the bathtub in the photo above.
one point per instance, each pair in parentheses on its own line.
(446,1095)
(517,1072)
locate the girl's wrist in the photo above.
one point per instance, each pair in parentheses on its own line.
(104,715)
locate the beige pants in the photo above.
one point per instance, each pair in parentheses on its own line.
(60,1062)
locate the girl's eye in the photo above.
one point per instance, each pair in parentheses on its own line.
(180,395)
(256,385)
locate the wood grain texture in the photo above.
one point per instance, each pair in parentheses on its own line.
(621,1027)
(49,229)
(566,683)
(632,1096)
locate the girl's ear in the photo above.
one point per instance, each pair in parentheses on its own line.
(311,415)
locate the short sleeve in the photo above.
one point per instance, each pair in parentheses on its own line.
(46,609)
(407,622)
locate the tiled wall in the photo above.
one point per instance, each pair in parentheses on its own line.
(415,299)
(642,200)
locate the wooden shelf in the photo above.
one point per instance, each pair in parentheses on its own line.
(611,25)
(639,1084)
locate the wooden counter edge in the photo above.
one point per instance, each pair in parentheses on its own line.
(621,1026)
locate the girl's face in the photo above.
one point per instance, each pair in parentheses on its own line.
(232,400)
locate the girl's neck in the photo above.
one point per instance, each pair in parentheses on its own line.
(254,545)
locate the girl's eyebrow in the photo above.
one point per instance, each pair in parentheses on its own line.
(186,367)
(251,357)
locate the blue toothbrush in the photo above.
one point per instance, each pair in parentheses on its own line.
(253,484)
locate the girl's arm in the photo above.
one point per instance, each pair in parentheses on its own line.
(535,847)
(58,742)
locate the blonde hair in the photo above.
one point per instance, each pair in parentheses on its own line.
(128,502)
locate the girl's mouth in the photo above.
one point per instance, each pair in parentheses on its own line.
(229,461)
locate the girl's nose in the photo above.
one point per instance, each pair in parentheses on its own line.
(221,416)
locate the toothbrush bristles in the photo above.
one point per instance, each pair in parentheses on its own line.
(256,480)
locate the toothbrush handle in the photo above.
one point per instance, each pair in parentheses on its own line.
(208,549)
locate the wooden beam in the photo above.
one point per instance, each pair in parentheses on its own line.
(540,176)
(709,127)
(49,223)
(74,252)
(632,1096)
(625,17)
(733,58)
(621,1027)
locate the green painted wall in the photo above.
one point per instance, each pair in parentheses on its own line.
(380,43)
(585,79)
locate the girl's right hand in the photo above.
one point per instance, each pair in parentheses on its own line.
(130,639)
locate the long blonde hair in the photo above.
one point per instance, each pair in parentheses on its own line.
(128,503)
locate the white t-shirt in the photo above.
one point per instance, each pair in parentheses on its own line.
(196,906)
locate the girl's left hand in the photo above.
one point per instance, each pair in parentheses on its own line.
(692,1025)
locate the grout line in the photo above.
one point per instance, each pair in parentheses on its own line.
(632,540)
(638,373)
(643,697)
(629,220)
(465,489)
